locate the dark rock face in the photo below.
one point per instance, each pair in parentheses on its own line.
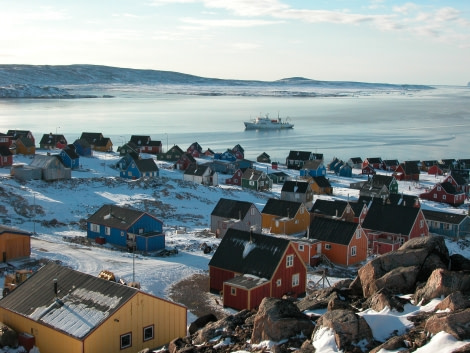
(456,324)
(201,322)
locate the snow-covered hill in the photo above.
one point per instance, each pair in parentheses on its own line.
(19,77)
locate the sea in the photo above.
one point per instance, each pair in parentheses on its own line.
(405,124)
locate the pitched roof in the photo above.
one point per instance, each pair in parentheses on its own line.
(313,164)
(52,139)
(197,169)
(281,208)
(140,140)
(70,152)
(146,164)
(410,167)
(82,302)
(91,137)
(115,216)
(374,160)
(322,181)
(27,142)
(356,160)
(393,199)
(446,217)
(299,155)
(5,229)
(252,174)
(249,253)
(300,187)
(449,188)
(334,231)
(231,208)
(390,218)
(329,207)
(381,180)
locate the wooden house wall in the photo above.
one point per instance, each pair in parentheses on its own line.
(299,223)
(150,243)
(337,253)
(449,229)
(285,274)
(245,298)
(6,161)
(22,149)
(309,250)
(420,227)
(437,194)
(361,244)
(14,246)
(56,171)
(435,170)
(217,277)
(43,335)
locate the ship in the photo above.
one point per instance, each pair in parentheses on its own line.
(266,123)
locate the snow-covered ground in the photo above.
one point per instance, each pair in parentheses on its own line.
(184,208)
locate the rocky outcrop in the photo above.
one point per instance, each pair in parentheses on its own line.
(422,268)
(399,271)
(279,319)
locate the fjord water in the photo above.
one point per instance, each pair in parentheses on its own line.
(431,124)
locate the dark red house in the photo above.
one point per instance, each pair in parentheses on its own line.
(435,170)
(446,193)
(195,150)
(368,170)
(407,171)
(458,181)
(236,178)
(388,226)
(248,267)
(374,162)
(184,161)
(146,145)
(6,157)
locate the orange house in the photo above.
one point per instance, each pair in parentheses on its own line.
(343,243)
(14,243)
(285,217)
(23,145)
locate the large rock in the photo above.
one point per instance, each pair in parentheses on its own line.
(226,326)
(400,270)
(200,322)
(459,262)
(455,324)
(453,302)
(349,328)
(279,319)
(442,283)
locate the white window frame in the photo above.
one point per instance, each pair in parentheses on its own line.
(354,250)
(295,280)
(150,327)
(289,260)
(328,246)
(358,234)
(95,227)
(107,230)
(301,247)
(123,346)
(233,291)
(279,282)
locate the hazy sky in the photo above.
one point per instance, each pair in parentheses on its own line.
(423,42)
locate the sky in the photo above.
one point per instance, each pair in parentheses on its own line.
(420,42)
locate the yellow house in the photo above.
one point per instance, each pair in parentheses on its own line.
(69,311)
(285,217)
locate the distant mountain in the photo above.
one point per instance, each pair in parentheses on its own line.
(58,75)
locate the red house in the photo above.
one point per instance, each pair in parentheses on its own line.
(446,193)
(374,162)
(236,178)
(435,170)
(248,267)
(389,226)
(458,181)
(343,243)
(184,161)
(368,170)
(195,150)
(146,145)
(6,157)
(407,171)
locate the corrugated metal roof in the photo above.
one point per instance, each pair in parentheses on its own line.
(231,208)
(334,231)
(81,304)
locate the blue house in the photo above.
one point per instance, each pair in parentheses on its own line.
(345,171)
(448,223)
(313,168)
(69,157)
(139,168)
(226,156)
(127,228)
(83,148)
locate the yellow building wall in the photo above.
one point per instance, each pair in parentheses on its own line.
(294,225)
(169,321)
(14,245)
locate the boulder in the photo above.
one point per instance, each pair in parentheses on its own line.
(442,283)
(402,269)
(279,319)
(395,343)
(319,299)
(200,322)
(383,299)
(453,302)
(349,328)
(459,263)
(456,324)
(226,326)
(8,336)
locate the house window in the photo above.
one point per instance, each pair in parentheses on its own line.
(122,233)
(435,196)
(301,210)
(129,173)
(290,260)
(358,234)
(438,188)
(401,240)
(296,221)
(295,280)
(107,230)
(353,251)
(261,183)
(277,224)
(443,197)
(95,227)
(251,183)
(148,333)
(278,282)
(327,246)
(252,211)
(421,223)
(233,291)
(301,247)
(126,340)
